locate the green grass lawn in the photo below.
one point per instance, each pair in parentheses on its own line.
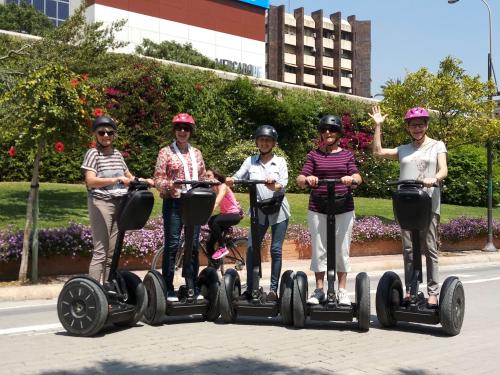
(62,203)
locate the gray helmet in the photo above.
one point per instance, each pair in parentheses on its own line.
(331,122)
(103,121)
(268,131)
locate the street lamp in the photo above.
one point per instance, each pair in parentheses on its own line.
(490,246)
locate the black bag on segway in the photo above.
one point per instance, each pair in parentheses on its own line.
(412,207)
(271,205)
(197,204)
(341,201)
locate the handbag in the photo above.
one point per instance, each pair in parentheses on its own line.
(271,205)
(341,201)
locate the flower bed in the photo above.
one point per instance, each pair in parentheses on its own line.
(76,239)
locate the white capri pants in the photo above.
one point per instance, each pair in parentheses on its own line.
(343,228)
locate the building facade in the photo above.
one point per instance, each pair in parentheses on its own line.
(327,53)
(231,32)
(57,10)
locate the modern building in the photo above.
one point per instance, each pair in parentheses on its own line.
(329,53)
(57,10)
(231,32)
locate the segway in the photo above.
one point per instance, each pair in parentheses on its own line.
(230,302)
(196,207)
(84,305)
(413,211)
(330,309)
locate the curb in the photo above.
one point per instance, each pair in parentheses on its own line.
(358,264)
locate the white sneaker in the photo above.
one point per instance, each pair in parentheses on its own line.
(172,297)
(343,298)
(317,297)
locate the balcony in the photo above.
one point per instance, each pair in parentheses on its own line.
(309,41)
(290,59)
(290,39)
(309,60)
(327,43)
(346,64)
(346,44)
(290,20)
(310,79)
(345,82)
(290,78)
(328,62)
(328,81)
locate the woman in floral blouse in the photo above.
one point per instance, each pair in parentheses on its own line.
(178,161)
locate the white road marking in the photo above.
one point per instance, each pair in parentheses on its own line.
(27,306)
(37,328)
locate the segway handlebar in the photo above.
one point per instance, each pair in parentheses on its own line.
(326,181)
(137,184)
(196,182)
(250,182)
(409,182)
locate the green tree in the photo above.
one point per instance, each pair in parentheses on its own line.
(458,102)
(183,53)
(24,18)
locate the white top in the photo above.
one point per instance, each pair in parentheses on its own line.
(276,168)
(419,163)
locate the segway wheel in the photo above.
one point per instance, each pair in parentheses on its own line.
(82,306)
(363,301)
(137,296)
(286,292)
(229,291)
(299,299)
(209,283)
(156,302)
(452,305)
(389,295)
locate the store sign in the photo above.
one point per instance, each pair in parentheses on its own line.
(242,68)
(258,3)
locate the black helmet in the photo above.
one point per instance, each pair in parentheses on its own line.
(103,121)
(331,122)
(268,131)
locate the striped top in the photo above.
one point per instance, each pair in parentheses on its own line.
(329,165)
(105,166)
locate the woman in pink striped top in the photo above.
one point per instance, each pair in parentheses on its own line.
(230,214)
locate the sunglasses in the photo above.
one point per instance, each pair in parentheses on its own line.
(186,128)
(417,125)
(331,129)
(102,133)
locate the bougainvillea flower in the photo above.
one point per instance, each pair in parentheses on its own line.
(98,112)
(59,147)
(84,76)
(91,144)
(12,151)
(82,100)
(125,154)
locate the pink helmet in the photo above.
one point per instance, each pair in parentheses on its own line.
(416,112)
(183,118)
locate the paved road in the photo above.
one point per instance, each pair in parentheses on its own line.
(33,342)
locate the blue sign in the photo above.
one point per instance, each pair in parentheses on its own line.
(257,3)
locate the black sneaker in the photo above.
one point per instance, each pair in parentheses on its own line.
(245,296)
(317,297)
(271,296)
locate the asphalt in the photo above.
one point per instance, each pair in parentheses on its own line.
(372,264)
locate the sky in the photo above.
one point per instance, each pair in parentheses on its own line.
(410,34)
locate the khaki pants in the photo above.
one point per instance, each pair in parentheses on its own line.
(428,243)
(102,214)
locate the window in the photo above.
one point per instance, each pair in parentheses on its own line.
(62,10)
(56,10)
(39,5)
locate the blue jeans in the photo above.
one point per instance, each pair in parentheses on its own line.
(172,226)
(278,232)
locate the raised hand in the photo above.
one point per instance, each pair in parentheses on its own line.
(377,116)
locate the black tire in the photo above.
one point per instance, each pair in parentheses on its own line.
(389,295)
(156,302)
(82,306)
(286,292)
(229,290)
(452,305)
(363,301)
(209,283)
(137,296)
(299,299)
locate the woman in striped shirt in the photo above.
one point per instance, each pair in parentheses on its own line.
(330,161)
(107,178)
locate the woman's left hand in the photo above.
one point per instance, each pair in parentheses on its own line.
(348,180)
(429,181)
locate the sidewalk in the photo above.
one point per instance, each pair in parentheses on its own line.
(370,264)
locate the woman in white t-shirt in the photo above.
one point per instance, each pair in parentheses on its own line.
(422,159)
